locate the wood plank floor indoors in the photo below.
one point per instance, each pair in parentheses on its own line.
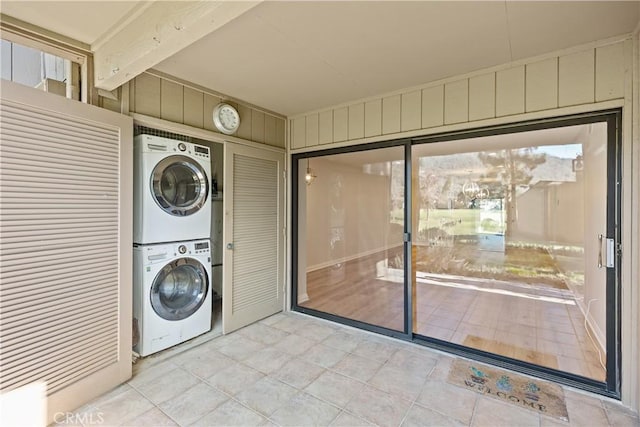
(515,322)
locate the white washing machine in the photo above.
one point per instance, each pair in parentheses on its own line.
(171,293)
(171,190)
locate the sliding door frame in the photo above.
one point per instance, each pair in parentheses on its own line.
(295,211)
(611,386)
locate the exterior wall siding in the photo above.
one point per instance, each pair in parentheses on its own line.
(586,76)
(163,98)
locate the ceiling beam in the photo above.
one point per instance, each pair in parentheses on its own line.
(159,31)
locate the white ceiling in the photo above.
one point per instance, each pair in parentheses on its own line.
(294,57)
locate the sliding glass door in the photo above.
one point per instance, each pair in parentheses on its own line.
(350,236)
(500,244)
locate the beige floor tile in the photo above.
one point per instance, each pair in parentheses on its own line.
(357,367)
(193,404)
(290,323)
(235,378)
(379,407)
(305,410)
(315,332)
(585,412)
(267,360)
(378,351)
(343,341)
(323,355)
(417,360)
(419,416)
(266,395)
(273,319)
(143,372)
(168,385)
(620,419)
(298,373)
(449,400)
(122,388)
(241,348)
(441,371)
(295,345)
(152,418)
(204,362)
(493,413)
(334,388)
(263,334)
(231,413)
(346,419)
(552,422)
(403,382)
(122,408)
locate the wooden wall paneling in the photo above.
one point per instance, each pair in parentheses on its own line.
(433,106)
(270,130)
(298,131)
(257,126)
(610,72)
(411,111)
(147,95)
(541,86)
(209,104)
(340,124)
(373,118)
(312,130)
(171,101)
(325,127)
(482,97)
(576,78)
(280,138)
(193,107)
(391,114)
(456,102)
(510,91)
(244,131)
(356,121)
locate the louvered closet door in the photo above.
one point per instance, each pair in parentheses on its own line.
(253,236)
(65,255)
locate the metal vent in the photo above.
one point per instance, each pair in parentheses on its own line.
(139,130)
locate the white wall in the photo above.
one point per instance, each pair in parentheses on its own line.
(345,199)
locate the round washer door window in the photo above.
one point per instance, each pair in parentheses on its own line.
(179,289)
(179,185)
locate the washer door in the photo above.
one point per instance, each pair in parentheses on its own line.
(179,185)
(179,289)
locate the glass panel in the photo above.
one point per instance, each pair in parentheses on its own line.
(506,245)
(179,185)
(351,226)
(34,68)
(179,290)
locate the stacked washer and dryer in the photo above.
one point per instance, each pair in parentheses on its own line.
(172,299)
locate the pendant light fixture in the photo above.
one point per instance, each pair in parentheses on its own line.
(309,176)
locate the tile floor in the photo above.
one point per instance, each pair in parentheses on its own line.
(294,370)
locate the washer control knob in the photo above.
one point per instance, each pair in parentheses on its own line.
(182,249)
(182,146)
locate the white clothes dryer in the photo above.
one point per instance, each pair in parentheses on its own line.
(171,293)
(171,190)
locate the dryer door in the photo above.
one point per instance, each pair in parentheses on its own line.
(179,185)
(179,289)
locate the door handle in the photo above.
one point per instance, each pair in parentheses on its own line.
(610,254)
(600,238)
(230,246)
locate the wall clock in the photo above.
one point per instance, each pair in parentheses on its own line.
(226,118)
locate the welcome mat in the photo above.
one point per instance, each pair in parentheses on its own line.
(535,395)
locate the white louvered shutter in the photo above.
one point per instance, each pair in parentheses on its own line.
(65,247)
(254,206)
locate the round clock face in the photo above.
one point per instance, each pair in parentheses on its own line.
(226,118)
